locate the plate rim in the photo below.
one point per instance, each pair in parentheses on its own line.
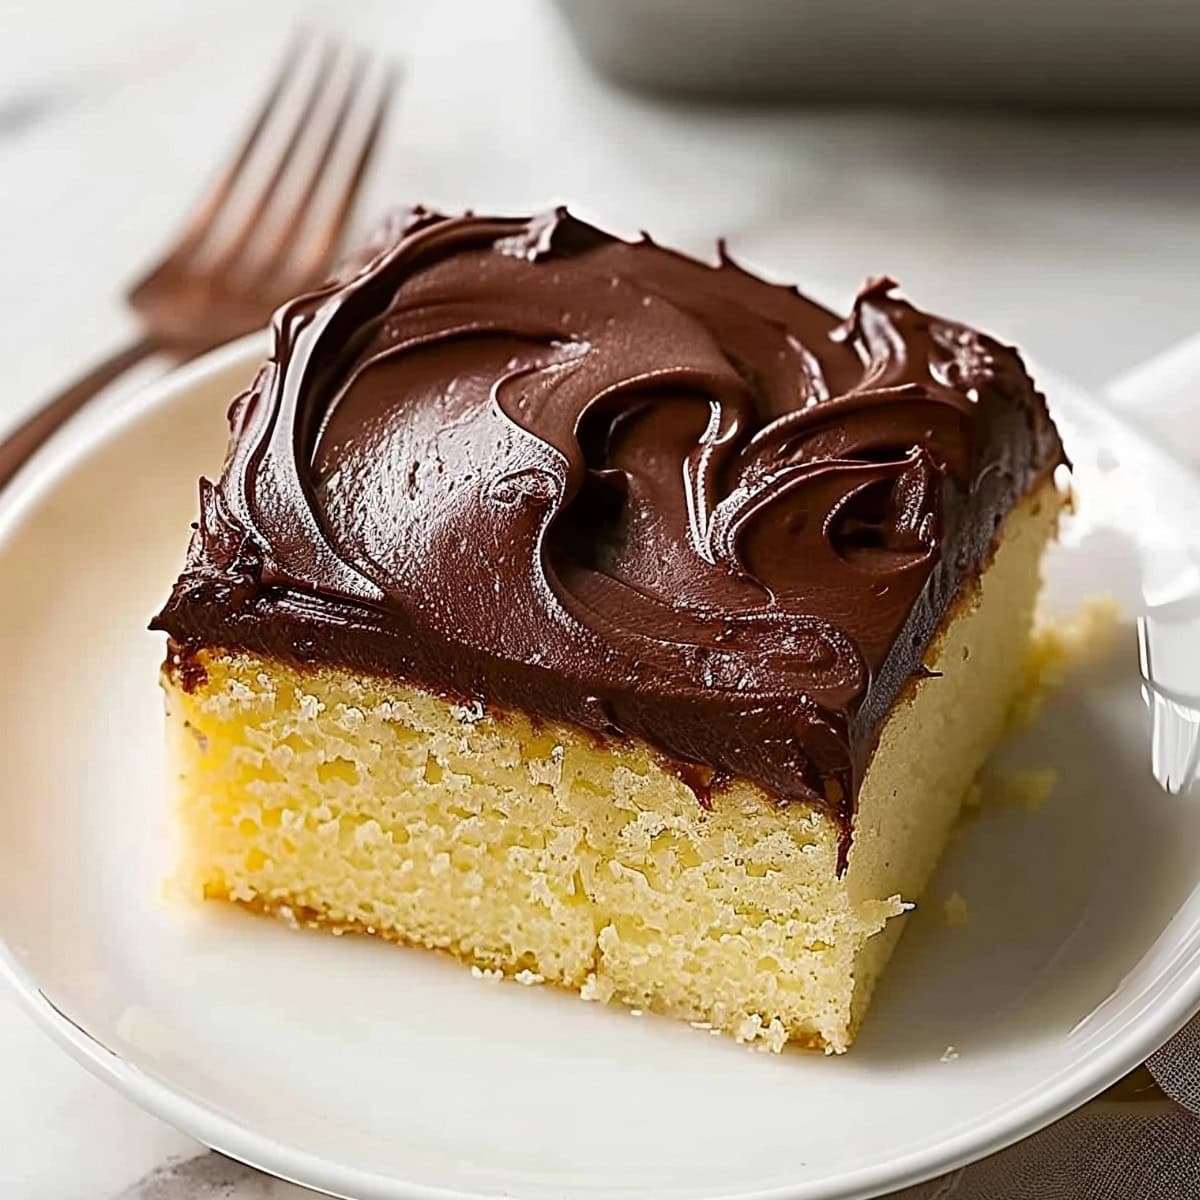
(1102,1062)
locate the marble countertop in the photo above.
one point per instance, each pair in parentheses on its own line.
(1076,240)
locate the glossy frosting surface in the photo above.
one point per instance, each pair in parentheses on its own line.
(526,462)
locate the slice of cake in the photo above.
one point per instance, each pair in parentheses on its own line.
(606,617)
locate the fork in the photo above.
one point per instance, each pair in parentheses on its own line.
(267,228)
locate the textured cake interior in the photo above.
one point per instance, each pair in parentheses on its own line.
(534,847)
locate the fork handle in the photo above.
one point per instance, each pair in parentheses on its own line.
(37,428)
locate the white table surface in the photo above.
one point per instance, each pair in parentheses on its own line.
(1077,241)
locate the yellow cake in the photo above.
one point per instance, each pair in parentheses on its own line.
(477,650)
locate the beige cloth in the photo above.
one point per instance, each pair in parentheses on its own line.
(1140,1140)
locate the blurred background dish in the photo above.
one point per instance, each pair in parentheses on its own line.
(1075,238)
(1089,54)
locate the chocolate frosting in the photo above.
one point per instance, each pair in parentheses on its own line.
(523,461)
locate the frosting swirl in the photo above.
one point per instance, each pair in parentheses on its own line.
(526,462)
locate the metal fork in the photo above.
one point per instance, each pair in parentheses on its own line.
(267,228)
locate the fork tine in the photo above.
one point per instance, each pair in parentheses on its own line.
(244,229)
(286,224)
(325,108)
(314,255)
(203,216)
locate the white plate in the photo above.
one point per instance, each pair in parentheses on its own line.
(372,1072)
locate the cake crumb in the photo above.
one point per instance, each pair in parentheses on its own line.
(596,989)
(1059,646)
(773,1038)
(748,1027)
(955,911)
(950,1054)
(769,1037)
(1028,789)
(491,973)
(529,978)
